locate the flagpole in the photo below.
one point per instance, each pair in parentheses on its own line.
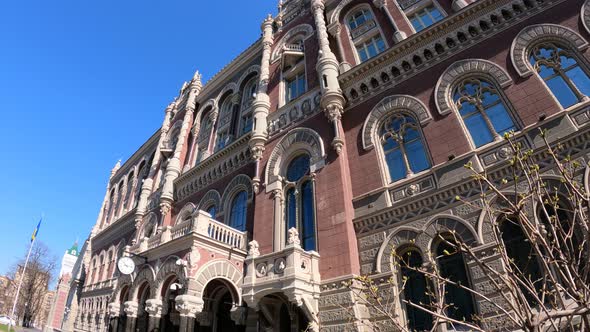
(20,284)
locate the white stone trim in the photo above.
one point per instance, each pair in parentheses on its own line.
(389,105)
(145,274)
(336,12)
(211,197)
(305,139)
(585,15)
(305,29)
(367,36)
(462,69)
(538,33)
(219,269)
(233,87)
(401,236)
(187,209)
(246,73)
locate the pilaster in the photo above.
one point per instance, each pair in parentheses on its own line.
(398,35)
(261,104)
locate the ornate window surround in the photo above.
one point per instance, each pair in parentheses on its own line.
(585,15)
(187,210)
(296,142)
(239,183)
(386,107)
(212,197)
(538,33)
(472,68)
(378,31)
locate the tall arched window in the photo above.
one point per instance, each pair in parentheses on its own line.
(248,95)
(522,256)
(225,124)
(483,111)
(239,208)
(415,291)
(300,202)
(403,146)
(451,264)
(365,34)
(559,68)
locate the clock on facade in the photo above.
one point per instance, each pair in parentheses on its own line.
(126,265)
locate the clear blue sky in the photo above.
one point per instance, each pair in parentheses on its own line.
(85,83)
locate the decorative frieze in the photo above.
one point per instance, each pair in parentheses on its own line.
(413,189)
(420,52)
(501,153)
(293,113)
(581,117)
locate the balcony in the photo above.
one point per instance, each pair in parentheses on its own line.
(291,271)
(201,226)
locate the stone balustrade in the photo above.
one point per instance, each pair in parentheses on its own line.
(201,224)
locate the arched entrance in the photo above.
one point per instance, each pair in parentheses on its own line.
(278,314)
(219,300)
(142,315)
(171,318)
(122,319)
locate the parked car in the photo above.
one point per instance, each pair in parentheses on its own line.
(5,320)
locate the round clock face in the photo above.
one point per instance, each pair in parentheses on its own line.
(126,265)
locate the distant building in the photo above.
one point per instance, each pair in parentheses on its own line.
(58,305)
(5,284)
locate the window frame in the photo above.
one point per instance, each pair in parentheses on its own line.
(502,99)
(232,201)
(382,154)
(571,52)
(367,35)
(420,6)
(308,177)
(291,74)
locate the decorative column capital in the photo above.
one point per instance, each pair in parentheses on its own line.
(114,309)
(130,308)
(238,315)
(379,3)
(188,305)
(335,29)
(317,5)
(154,307)
(293,239)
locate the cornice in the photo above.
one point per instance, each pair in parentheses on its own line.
(416,45)
(441,199)
(210,170)
(221,77)
(114,231)
(136,156)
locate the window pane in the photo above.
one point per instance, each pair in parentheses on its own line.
(395,163)
(452,266)
(562,91)
(308,224)
(389,144)
(467,108)
(415,291)
(417,156)
(238,211)
(362,53)
(580,79)
(500,119)
(291,212)
(371,50)
(212,211)
(298,168)
(478,129)
(436,14)
(426,20)
(417,24)
(380,44)
(301,85)
(489,98)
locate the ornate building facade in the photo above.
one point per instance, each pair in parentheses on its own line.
(341,131)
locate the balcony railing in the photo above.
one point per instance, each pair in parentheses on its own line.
(201,224)
(293,47)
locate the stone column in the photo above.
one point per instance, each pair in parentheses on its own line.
(261,104)
(279,227)
(336,30)
(173,168)
(398,35)
(188,306)
(332,100)
(114,311)
(154,309)
(130,308)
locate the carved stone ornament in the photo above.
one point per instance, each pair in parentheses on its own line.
(280,265)
(154,307)
(504,152)
(412,189)
(253,249)
(130,308)
(293,238)
(114,309)
(188,305)
(261,270)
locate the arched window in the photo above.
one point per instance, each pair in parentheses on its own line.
(212,210)
(248,95)
(523,259)
(129,193)
(224,127)
(300,201)
(483,111)
(239,208)
(452,266)
(365,34)
(403,147)
(415,291)
(562,73)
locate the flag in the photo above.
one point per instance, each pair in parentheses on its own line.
(36,231)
